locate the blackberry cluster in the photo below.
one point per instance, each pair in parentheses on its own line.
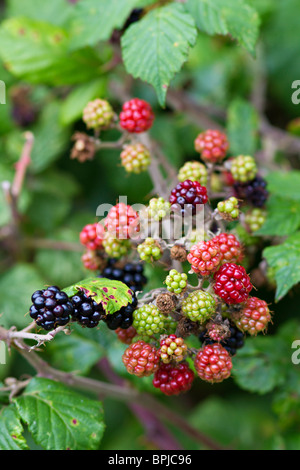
(123,318)
(86,311)
(50,308)
(188,195)
(231,343)
(254,192)
(132,274)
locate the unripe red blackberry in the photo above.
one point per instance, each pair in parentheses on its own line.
(254,316)
(213,363)
(92,261)
(243,168)
(199,306)
(135,158)
(212,145)
(126,335)
(173,380)
(232,283)
(98,114)
(91,236)
(230,248)
(50,308)
(136,116)
(150,250)
(205,257)
(172,348)
(122,221)
(193,171)
(188,196)
(141,359)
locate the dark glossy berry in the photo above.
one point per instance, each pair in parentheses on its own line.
(123,318)
(188,196)
(253,192)
(131,274)
(234,341)
(86,311)
(50,308)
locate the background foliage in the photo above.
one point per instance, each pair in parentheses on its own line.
(199,63)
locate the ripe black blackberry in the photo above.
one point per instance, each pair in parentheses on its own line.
(254,192)
(87,312)
(50,308)
(231,344)
(123,318)
(132,274)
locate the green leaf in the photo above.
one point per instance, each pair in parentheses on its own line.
(59,418)
(233,17)
(72,107)
(51,139)
(283,217)
(16,288)
(11,430)
(259,367)
(38,52)
(284,184)
(95,20)
(156,47)
(112,295)
(285,260)
(57,12)
(242,128)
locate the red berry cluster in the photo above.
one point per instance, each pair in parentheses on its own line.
(92,236)
(136,116)
(232,283)
(212,145)
(213,363)
(122,221)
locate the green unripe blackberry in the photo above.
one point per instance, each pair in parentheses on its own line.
(193,171)
(149,250)
(148,321)
(255,219)
(115,247)
(98,113)
(243,168)
(158,208)
(135,158)
(176,282)
(229,208)
(199,306)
